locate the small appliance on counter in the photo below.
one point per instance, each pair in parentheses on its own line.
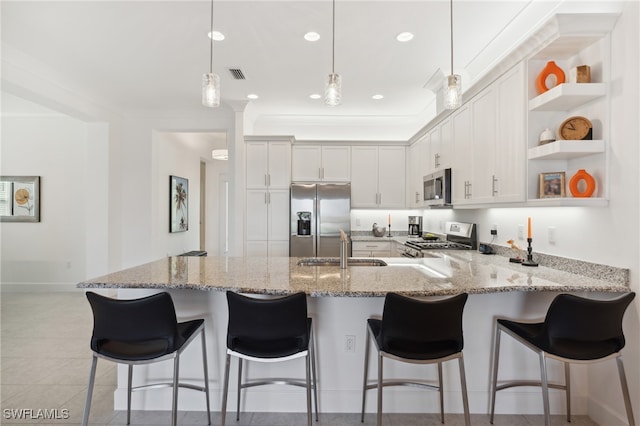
(415,226)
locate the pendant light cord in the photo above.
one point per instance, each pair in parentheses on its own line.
(333,40)
(451,17)
(211,42)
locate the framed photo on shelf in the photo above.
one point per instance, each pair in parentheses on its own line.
(19,198)
(551,185)
(179,204)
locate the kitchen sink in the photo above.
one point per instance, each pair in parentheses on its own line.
(318,261)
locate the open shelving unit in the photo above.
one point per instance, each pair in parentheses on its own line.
(549,109)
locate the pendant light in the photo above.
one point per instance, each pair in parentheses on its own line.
(211,81)
(453,91)
(333,86)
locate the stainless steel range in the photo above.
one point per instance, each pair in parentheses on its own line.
(458,236)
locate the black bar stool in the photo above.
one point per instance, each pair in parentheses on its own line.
(575,330)
(417,332)
(270,330)
(142,331)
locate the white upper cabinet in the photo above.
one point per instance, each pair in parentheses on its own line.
(489,138)
(378,177)
(268,164)
(330,163)
(462,167)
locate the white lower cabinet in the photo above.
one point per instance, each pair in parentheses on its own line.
(371,248)
(267,222)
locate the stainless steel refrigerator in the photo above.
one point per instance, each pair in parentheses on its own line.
(318,212)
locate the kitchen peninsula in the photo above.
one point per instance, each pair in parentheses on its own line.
(442,273)
(340,302)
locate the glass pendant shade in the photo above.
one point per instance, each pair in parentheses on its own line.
(453,92)
(333,90)
(210,90)
(220,154)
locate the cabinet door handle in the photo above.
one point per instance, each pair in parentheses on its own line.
(265,198)
(494,181)
(322,172)
(269,180)
(417,197)
(437,160)
(265,180)
(469,189)
(268,198)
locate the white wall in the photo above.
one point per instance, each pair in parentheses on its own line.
(146,168)
(40,142)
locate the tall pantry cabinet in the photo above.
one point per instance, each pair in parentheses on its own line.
(268,169)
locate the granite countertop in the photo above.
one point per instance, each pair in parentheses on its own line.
(443,273)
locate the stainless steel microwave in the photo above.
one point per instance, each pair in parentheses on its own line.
(437,188)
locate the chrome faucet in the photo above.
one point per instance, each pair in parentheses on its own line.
(345,240)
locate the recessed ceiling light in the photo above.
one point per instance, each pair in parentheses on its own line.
(404,36)
(312,36)
(216,35)
(315,96)
(377,97)
(252,96)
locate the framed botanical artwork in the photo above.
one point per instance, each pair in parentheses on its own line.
(179,204)
(551,185)
(19,198)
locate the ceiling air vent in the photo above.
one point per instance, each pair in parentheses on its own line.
(237,73)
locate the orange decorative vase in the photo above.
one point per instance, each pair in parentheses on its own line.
(549,69)
(589,184)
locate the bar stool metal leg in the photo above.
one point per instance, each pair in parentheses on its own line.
(307,362)
(567,388)
(465,398)
(366,372)
(494,382)
(625,391)
(379,418)
(239,389)
(314,376)
(206,376)
(441,392)
(129,382)
(225,391)
(174,405)
(92,379)
(545,389)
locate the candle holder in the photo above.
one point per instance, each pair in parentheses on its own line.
(389,234)
(529,261)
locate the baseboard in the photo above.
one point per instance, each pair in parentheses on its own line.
(603,415)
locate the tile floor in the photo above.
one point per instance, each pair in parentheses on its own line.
(45,360)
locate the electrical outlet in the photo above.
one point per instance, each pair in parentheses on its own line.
(521,232)
(358,221)
(349,343)
(494,229)
(551,234)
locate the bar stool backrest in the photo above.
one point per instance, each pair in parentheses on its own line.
(406,320)
(135,320)
(579,319)
(259,322)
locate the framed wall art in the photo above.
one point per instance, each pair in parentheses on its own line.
(19,198)
(551,185)
(179,204)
